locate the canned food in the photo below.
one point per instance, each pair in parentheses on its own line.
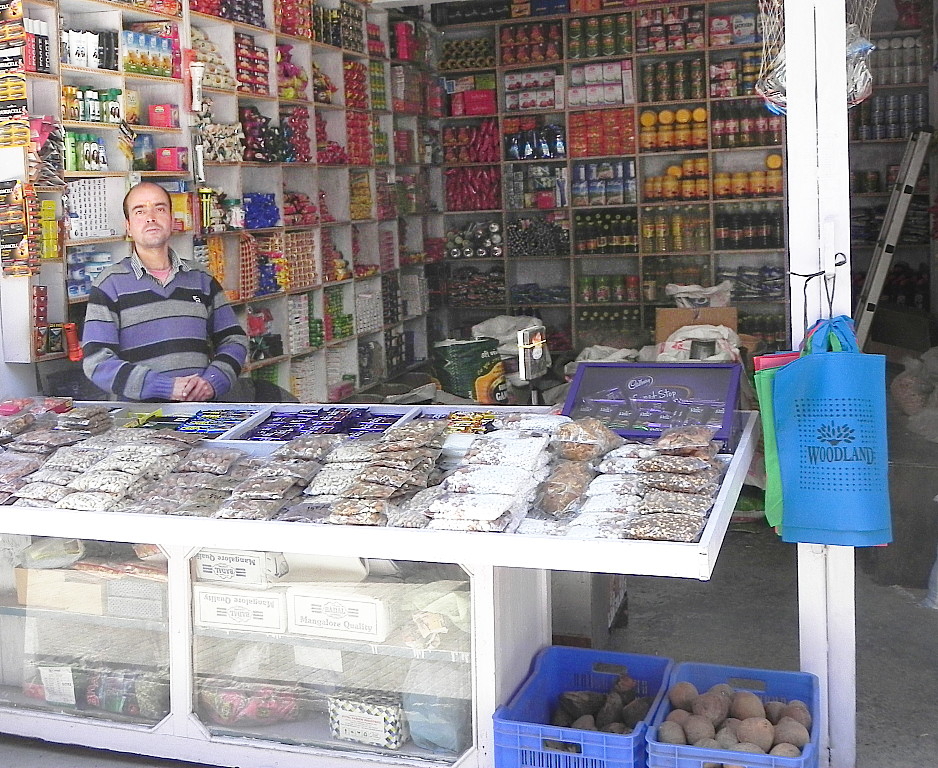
(773,183)
(670,188)
(688,189)
(648,138)
(648,189)
(873,181)
(739,184)
(722,186)
(701,188)
(682,136)
(666,136)
(701,167)
(757,183)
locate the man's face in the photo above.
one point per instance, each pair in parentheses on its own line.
(150,221)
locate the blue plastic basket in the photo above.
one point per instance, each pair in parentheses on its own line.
(767,684)
(523,738)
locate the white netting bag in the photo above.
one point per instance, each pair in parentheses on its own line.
(771,84)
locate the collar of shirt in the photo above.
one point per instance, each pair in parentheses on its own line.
(175,264)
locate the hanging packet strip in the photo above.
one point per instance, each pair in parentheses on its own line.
(830,426)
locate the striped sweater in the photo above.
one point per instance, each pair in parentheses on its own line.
(139,335)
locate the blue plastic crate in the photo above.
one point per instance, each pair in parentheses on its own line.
(768,685)
(523,738)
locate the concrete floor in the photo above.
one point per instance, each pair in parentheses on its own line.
(745,616)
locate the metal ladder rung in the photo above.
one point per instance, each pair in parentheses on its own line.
(891,229)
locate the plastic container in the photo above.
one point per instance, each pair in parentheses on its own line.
(767,684)
(523,737)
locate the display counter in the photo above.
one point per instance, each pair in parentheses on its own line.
(231,659)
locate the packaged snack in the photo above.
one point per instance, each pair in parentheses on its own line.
(475,506)
(309,447)
(332,480)
(15,466)
(618,466)
(277,487)
(396,478)
(584,440)
(504,522)
(610,502)
(43,491)
(362,489)
(301,470)
(352,451)
(563,490)
(419,433)
(89,501)
(364,518)
(75,458)
(632,451)
(598,525)
(547,423)
(217,461)
(54,476)
(665,526)
(249,509)
(405,517)
(704,482)
(485,478)
(524,452)
(353,507)
(10,426)
(109,481)
(682,441)
(628,484)
(671,501)
(684,465)
(411,459)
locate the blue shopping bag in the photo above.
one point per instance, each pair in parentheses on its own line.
(830,426)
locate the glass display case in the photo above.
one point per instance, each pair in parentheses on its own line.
(84,629)
(331,653)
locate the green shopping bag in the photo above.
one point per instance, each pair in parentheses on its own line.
(766,368)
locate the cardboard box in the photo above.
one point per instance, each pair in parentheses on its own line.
(479,102)
(242,609)
(337,612)
(61,589)
(668,320)
(255,569)
(163,115)
(172,159)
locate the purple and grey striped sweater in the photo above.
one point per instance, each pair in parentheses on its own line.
(139,335)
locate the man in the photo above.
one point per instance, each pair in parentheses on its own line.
(157,327)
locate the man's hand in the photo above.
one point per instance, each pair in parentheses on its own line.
(192,389)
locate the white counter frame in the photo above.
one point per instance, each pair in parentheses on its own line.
(510,603)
